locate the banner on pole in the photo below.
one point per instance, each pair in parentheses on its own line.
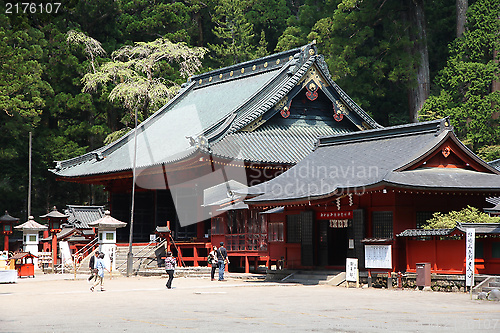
(469,256)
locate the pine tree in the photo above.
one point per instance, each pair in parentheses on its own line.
(234,32)
(466,93)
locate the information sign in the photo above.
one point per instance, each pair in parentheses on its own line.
(378,256)
(351,270)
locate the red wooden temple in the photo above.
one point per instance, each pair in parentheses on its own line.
(366,195)
(248,122)
(235,157)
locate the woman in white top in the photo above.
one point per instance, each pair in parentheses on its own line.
(170,268)
(212,260)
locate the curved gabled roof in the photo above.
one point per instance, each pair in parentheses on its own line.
(356,161)
(211,110)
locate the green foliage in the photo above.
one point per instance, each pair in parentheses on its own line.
(147,20)
(136,75)
(466,95)
(97,18)
(365,44)
(234,33)
(268,17)
(364,55)
(489,153)
(116,135)
(441,31)
(92,47)
(303,19)
(22,88)
(466,215)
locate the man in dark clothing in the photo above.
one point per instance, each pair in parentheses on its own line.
(93,274)
(222,260)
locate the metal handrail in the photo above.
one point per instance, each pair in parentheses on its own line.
(89,245)
(75,255)
(179,253)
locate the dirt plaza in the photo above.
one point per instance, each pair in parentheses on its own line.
(59,303)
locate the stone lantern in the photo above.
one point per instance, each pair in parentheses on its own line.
(106,227)
(7,225)
(31,238)
(55,220)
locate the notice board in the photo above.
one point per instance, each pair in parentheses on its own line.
(378,256)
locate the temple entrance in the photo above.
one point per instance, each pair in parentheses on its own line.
(332,243)
(337,246)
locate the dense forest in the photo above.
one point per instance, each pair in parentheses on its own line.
(70,72)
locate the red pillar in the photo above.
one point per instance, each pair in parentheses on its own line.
(200,230)
(195,254)
(168,237)
(6,243)
(45,244)
(54,250)
(247,265)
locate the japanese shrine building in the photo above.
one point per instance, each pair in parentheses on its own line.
(248,123)
(366,195)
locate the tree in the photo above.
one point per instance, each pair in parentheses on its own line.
(148,20)
(92,47)
(466,215)
(419,88)
(367,43)
(461,6)
(466,93)
(234,32)
(268,17)
(304,17)
(136,74)
(22,89)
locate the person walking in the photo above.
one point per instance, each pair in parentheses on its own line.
(101,267)
(170,268)
(222,260)
(212,260)
(93,271)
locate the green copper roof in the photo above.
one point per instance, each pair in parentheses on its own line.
(213,110)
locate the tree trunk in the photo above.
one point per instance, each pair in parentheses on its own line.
(198,20)
(496,83)
(462,6)
(418,93)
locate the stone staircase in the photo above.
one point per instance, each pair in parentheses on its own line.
(488,284)
(143,256)
(326,277)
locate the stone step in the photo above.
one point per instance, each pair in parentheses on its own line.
(138,251)
(302,281)
(324,277)
(488,289)
(315,277)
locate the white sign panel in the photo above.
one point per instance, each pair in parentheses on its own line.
(351,270)
(469,255)
(378,256)
(65,253)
